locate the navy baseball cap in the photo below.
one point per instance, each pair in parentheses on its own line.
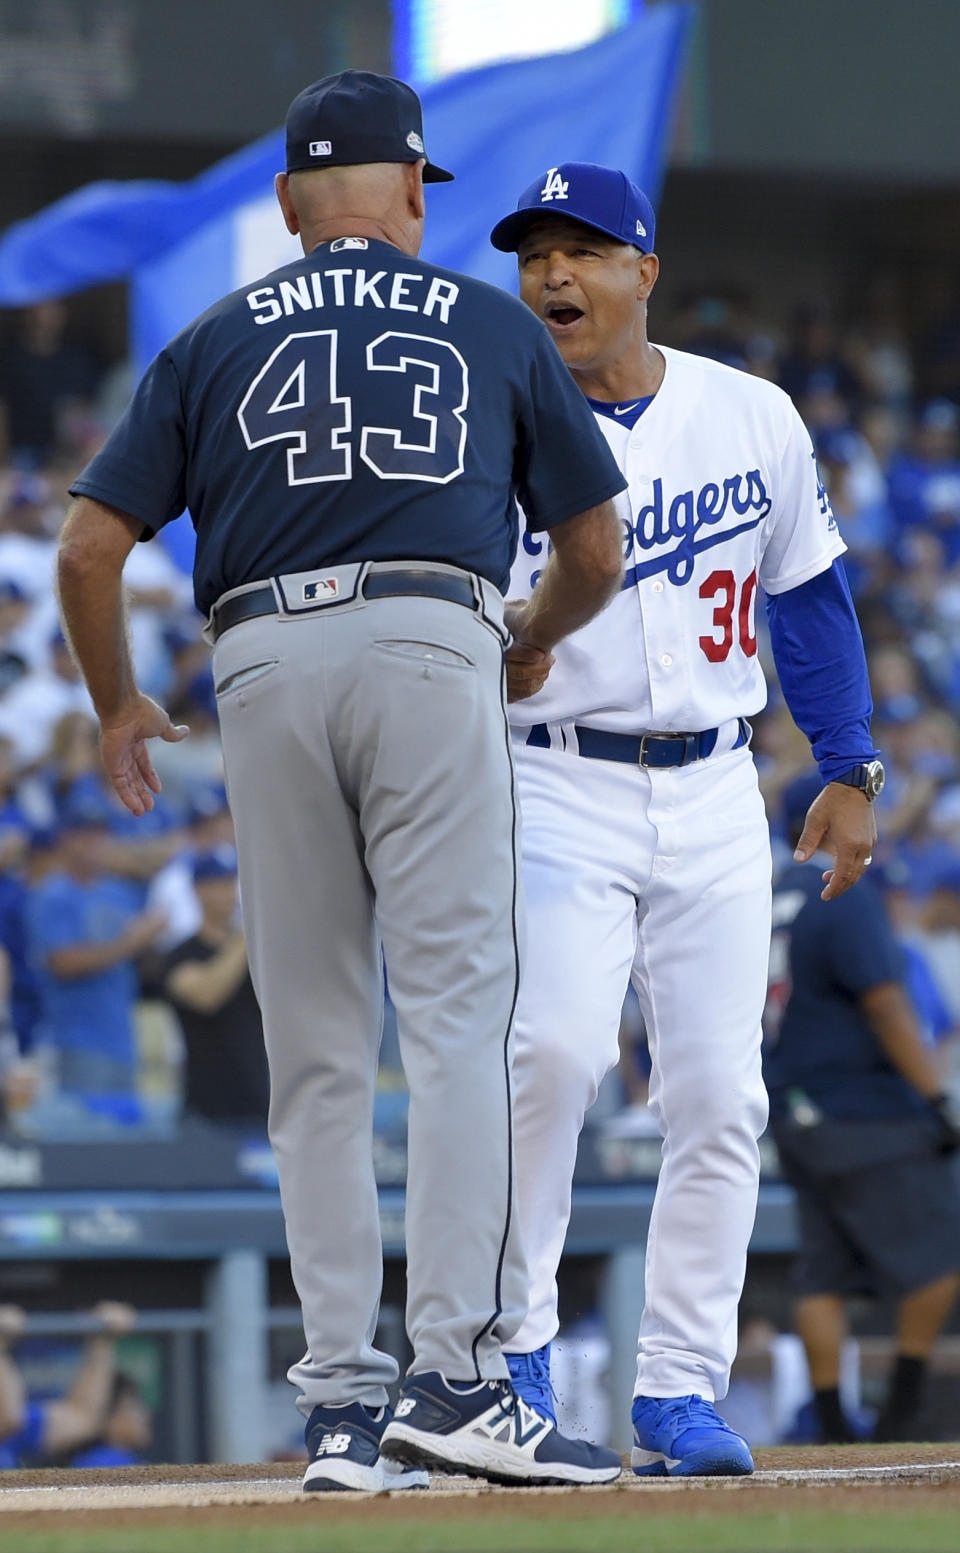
(218,863)
(601,197)
(355,117)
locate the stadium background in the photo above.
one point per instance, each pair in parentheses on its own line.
(809,229)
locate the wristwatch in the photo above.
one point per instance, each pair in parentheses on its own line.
(869,778)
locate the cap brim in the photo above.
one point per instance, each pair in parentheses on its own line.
(433,174)
(508,234)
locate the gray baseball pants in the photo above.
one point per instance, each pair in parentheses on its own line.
(370,778)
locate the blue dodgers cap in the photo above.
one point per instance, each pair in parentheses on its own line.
(205,800)
(355,117)
(218,863)
(86,807)
(601,197)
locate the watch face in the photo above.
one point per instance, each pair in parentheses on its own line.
(876,776)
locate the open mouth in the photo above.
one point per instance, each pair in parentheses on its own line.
(560,315)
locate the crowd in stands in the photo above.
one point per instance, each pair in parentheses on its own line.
(99,912)
(100,1421)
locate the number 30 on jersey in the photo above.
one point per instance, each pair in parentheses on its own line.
(294,399)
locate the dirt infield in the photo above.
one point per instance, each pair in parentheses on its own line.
(201,1507)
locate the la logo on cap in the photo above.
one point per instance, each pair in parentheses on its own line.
(321,148)
(555,187)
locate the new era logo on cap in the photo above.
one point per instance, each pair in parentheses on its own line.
(321,148)
(415,143)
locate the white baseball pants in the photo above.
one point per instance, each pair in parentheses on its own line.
(662,877)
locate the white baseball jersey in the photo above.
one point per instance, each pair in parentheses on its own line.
(723,494)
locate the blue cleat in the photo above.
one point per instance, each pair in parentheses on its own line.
(685,1437)
(530,1373)
(344,1448)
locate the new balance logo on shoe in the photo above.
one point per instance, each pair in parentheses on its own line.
(333,1445)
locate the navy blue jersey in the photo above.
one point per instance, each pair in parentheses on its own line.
(824,956)
(356,405)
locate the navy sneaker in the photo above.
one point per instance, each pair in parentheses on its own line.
(344,1447)
(685,1437)
(530,1373)
(482,1428)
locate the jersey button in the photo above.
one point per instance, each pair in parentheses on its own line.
(658,586)
(666,660)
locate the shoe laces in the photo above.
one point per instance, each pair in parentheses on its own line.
(694,1410)
(535,1372)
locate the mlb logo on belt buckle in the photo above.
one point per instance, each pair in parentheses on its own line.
(321,591)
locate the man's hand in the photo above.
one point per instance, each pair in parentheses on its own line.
(115,1318)
(841,821)
(527,670)
(141,931)
(527,666)
(12,1323)
(124,750)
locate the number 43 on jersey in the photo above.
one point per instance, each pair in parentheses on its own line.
(294,399)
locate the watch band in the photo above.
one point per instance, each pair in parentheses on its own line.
(868,778)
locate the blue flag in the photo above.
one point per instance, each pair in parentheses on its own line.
(185,245)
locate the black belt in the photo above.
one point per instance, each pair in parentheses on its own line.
(376,585)
(642,749)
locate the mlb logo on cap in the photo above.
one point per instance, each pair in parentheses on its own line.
(321,148)
(601,197)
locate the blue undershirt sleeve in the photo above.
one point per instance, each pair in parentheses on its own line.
(818,651)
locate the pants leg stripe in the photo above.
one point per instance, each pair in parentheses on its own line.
(498,1286)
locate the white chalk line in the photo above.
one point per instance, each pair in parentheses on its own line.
(272,1490)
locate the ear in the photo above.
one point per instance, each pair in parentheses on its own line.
(282,186)
(648,269)
(415,195)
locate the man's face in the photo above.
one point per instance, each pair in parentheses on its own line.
(589,289)
(218,898)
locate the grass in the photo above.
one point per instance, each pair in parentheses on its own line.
(856,1530)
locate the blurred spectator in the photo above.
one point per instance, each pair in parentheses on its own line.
(127,1431)
(715,324)
(199,758)
(925,481)
(815,363)
(863,1131)
(84,936)
(157,592)
(939,352)
(30,518)
(14,612)
(43,378)
(34,1432)
(31,708)
(878,349)
(209,825)
(857,494)
(207,981)
(924,598)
